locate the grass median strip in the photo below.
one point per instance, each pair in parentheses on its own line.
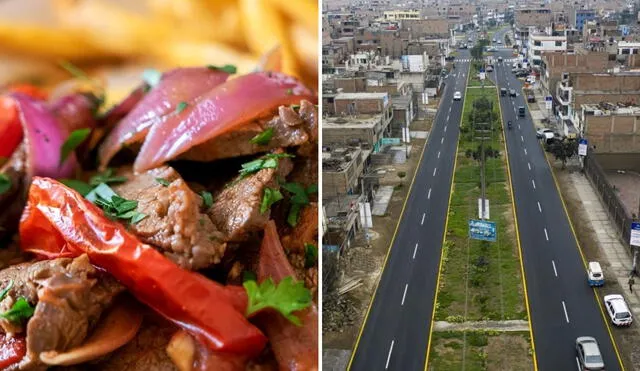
(479,280)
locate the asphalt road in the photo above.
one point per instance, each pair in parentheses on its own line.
(563,306)
(396,330)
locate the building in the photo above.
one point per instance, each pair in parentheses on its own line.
(400,15)
(628,47)
(538,18)
(543,43)
(581,16)
(611,127)
(342,167)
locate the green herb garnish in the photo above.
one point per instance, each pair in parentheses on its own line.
(269,197)
(249,276)
(5,183)
(286,297)
(310,255)
(78,185)
(115,206)
(181,107)
(164,182)
(299,198)
(73,141)
(5,291)
(289,91)
(269,161)
(207,199)
(78,73)
(228,68)
(20,310)
(263,138)
(106,177)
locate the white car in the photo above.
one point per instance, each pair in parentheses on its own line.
(545,134)
(589,356)
(618,310)
(457,96)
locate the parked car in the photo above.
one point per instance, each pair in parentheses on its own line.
(499,59)
(503,92)
(450,58)
(457,96)
(512,92)
(499,41)
(515,69)
(618,310)
(589,355)
(531,98)
(522,73)
(489,68)
(545,134)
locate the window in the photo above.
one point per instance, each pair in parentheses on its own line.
(625,51)
(330,100)
(558,43)
(635,51)
(537,43)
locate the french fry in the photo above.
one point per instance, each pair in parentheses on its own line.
(305,11)
(306,48)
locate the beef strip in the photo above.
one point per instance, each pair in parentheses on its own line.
(69,296)
(13,200)
(309,113)
(236,209)
(175,223)
(290,129)
(294,241)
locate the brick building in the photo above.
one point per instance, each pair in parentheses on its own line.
(611,128)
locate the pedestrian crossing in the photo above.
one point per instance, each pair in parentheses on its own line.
(506,60)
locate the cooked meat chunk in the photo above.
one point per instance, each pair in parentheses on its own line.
(12,201)
(69,296)
(145,352)
(175,223)
(290,128)
(236,210)
(305,232)
(309,113)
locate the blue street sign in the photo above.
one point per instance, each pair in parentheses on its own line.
(583,141)
(482,230)
(635,234)
(548,98)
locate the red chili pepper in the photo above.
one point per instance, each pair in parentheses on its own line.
(12,350)
(58,221)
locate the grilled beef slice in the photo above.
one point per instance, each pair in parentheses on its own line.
(175,223)
(13,200)
(290,128)
(69,296)
(236,209)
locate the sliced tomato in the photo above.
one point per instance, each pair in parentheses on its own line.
(12,350)
(10,128)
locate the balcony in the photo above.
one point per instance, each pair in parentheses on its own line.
(563,99)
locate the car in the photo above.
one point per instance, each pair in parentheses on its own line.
(521,111)
(531,98)
(545,134)
(512,92)
(499,41)
(522,73)
(503,92)
(450,58)
(589,356)
(494,40)
(515,69)
(457,96)
(618,310)
(499,59)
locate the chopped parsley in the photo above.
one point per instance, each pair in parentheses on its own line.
(5,183)
(115,206)
(77,185)
(79,74)
(20,310)
(228,68)
(249,276)
(106,177)
(269,197)
(207,199)
(73,141)
(5,291)
(263,138)
(289,91)
(295,107)
(181,107)
(299,198)
(269,161)
(310,255)
(163,182)
(286,297)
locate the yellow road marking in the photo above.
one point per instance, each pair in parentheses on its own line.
(384,266)
(444,232)
(584,260)
(515,217)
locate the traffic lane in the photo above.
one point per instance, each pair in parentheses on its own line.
(576,295)
(383,322)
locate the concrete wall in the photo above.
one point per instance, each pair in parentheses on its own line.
(613,134)
(615,161)
(345,135)
(367,106)
(427,28)
(351,85)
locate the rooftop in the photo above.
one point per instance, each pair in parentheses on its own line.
(339,158)
(609,109)
(360,121)
(361,95)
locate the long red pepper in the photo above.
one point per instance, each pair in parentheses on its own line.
(59,222)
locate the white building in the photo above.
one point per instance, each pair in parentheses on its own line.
(628,47)
(539,43)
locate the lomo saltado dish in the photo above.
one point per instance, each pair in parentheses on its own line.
(176,230)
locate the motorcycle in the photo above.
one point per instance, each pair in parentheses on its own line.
(509,125)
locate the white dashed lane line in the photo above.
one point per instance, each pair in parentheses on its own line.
(434,171)
(405,293)
(423,215)
(415,250)
(529,165)
(438,154)
(539,207)
(555,271)
(389,356)
(534,183)
(429,194)
(566,315)
(546,235)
